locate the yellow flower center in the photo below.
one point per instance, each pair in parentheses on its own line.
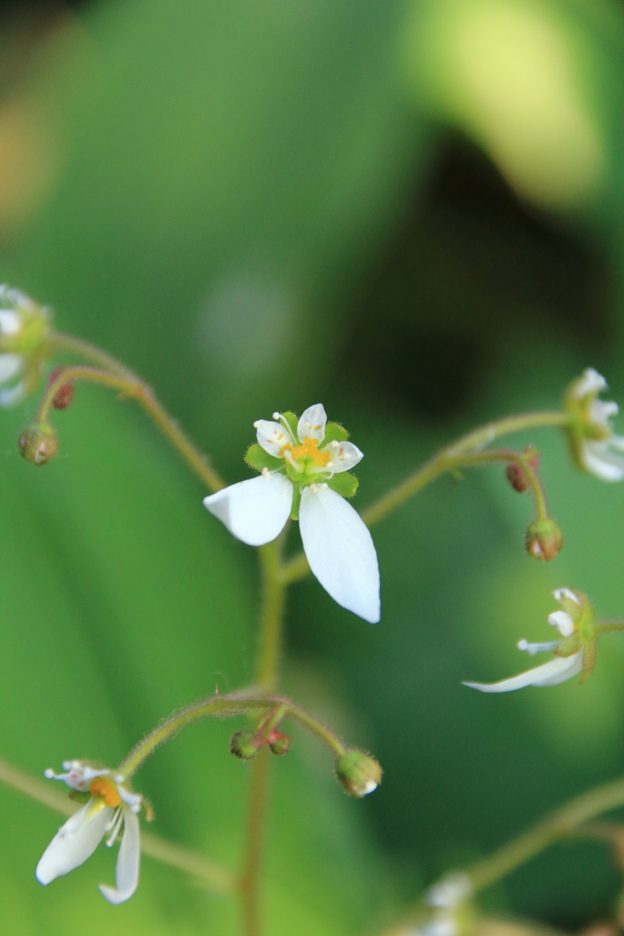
(309,449)
(106,789)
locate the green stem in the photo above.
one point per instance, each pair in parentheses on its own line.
(58,342)
(210,874)
(271,615)
(456,455)
(131,385)
(267,666)
(225,706)
(560,823)
(609,627)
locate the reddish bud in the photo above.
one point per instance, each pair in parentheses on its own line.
(279,743)
(515,473)
(65,393)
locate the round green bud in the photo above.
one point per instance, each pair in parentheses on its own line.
(38,443)
(544,539)
(279,743)
(358,772)
(244,745)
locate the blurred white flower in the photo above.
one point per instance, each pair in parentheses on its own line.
(337,543)
(112,812)
(569,651)
(23,325)
(595,447)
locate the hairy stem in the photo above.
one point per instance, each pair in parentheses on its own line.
(464,452)
(131,386)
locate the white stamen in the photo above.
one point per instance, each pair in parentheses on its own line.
(533,648)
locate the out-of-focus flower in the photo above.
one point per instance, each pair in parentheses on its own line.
(111,812)
(574,651)
(595,447)
(303,465)
(23,327)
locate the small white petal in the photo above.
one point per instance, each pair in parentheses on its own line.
(601,412)
(590,381)
(272,437)
(10,322)
(127,869)
(599,461)
(10,366)
(340,551)
(255,511)
(312,423)
(552,673)
(561,593)
(344,455)
(562,621)
(74,842)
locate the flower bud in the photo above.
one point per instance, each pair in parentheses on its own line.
(65,393)
(279,743)
(38,443)
(544,539)
(359,773)
(515,473)
(244,745)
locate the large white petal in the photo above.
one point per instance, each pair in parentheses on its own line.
(127,870)
(552,673)
(255,511)
(74,842)
(272,437)
(312,423)
(606,465)
(340,551)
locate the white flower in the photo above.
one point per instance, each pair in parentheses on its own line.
(23,324)
(569,650)
(337,543)
(111,812)
(595,447)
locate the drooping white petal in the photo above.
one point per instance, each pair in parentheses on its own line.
(552,673)
(599,461)
(74,842)
(562,621)
(10,366)
(344,456)
(340,551)
(256,510)
(312,423)
(272,436)
(127,869)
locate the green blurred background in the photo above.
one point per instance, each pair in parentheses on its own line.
(413,212)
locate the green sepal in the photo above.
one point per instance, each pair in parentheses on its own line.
(344,484)
(334,432)
(293,421)
(296,501)
(79,796)
(257,458)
